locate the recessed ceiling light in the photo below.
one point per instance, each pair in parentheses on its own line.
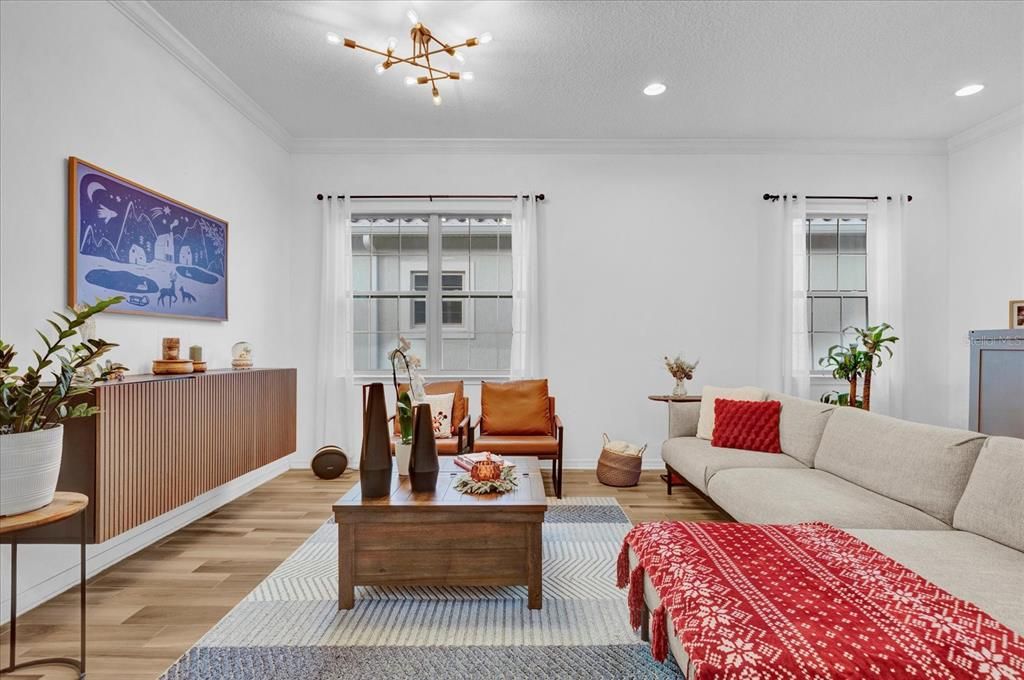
(333,38)
(654,89)
(968,90)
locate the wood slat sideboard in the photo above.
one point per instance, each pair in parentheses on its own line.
(161,441)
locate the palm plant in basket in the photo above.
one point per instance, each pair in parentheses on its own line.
(33,409)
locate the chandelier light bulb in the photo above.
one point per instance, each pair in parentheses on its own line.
(379,69)
(437,97)
(392,43)
(459,58)
(467,75)
(410,80)
(333,38)
(486,38)
(413,17)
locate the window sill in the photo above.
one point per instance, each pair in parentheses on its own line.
(467,378)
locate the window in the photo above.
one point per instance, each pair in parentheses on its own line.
(837,295)
(443,281)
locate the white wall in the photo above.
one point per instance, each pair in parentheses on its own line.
(986,247)
(80,79)
(644,255)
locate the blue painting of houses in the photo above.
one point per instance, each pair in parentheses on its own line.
(162,256)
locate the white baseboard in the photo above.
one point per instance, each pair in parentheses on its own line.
(104,555)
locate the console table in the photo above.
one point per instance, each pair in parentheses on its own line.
(64,507)
(158,442)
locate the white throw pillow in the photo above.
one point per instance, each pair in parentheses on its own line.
(706,422)
(440,411)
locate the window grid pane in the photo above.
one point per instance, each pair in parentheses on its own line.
(837,282)
(396,289)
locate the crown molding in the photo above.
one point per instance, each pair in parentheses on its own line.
(153,24)
(993,126)
(676,146)
(143,15)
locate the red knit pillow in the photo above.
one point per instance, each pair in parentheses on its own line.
(749,425)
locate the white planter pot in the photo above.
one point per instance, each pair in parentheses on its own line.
(402,454)
(29,467)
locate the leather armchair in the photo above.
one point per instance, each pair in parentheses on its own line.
(513,432)
(458,441)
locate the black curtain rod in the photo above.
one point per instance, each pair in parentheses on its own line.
(431,197)
(775,197)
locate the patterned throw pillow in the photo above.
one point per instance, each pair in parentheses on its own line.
(748,425)
(441,412)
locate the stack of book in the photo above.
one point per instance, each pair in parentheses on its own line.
(466,460)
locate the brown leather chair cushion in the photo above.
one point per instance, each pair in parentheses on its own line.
(460,405)
(509,445)
(515,408)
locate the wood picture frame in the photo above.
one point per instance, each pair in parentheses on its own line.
(127,239)
(1016,314)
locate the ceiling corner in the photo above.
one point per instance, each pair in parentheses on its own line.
(153,24)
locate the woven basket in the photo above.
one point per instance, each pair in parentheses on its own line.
(619,469)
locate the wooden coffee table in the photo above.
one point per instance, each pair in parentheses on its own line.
(443,538)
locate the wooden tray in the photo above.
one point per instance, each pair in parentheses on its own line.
(172,366)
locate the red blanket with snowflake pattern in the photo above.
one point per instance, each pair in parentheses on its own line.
(806,601)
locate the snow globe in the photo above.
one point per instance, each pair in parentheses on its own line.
(241,356)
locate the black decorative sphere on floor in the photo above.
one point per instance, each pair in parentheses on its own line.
(329,462)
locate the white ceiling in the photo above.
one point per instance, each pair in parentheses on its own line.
(574,70)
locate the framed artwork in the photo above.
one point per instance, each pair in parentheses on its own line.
(166,258)
(1016,314)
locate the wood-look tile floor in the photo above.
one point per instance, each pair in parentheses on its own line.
(145,611)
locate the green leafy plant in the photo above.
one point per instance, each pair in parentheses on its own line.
(877,343)
(28,403)
(847,364)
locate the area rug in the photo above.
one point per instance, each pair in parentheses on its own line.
(289,627)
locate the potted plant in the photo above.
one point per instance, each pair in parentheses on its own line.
(403,400)
(847,364)
(875,343)
(32,412)
(681,370)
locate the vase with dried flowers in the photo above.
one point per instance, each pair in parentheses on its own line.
(402,357)
(681,370)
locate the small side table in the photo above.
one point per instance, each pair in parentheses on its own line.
(65,504)
(671,477)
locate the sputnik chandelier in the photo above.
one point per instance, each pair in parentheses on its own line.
(422,40)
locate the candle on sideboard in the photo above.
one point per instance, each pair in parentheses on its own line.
(195,353)
(171,347)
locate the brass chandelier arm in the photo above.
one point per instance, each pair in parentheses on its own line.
(393,58)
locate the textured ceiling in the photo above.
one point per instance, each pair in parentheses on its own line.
(574,70)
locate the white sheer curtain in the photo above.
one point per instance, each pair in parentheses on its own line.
(525,290)
(885,297)
(334,384)
(796,345)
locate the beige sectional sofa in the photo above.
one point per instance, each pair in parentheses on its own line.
(948,504)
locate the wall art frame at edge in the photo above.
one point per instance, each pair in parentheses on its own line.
(164,256)
(1016,314)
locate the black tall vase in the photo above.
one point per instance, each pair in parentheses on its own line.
(423,464)
(375,455)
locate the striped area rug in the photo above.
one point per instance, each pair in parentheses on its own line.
(289,627)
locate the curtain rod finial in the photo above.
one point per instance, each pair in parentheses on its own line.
(319,197)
